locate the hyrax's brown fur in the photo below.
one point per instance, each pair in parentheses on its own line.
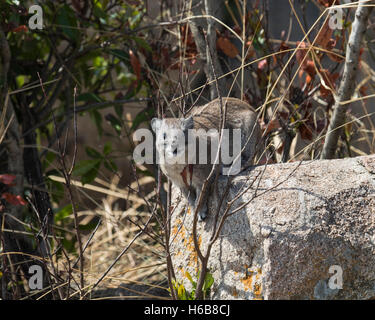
(191,177)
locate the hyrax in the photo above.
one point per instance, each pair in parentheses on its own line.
(188,163)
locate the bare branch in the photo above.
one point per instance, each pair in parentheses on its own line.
(347,84)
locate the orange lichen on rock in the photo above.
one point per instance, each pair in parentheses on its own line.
(252,282)
(248,279)
(193,256)
(258,291)
(176,228)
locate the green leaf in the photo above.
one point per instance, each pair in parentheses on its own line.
(67,20)
(91,152)
(98,11)
(133,91)
(143,116)
(114,122)
(89,97)
(69,245)
(85,166)
(63,213)
(144,172)
(21,79)
(110,165)
(192,295)
(135,19)
(90,176)
(88,227)
(194,284)
(119,110)
(142,43)
(208,282)
(50,156)
(181,292)
(56,189)
(15,18)
(121,54)
(107,148)
(97,118)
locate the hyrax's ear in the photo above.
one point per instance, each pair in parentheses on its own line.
(155,124)
(187,123)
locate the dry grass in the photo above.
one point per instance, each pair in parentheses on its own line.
(141,272)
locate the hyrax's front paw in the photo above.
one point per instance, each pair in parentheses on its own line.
(202,214)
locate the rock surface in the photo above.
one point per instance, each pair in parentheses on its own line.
(308,234)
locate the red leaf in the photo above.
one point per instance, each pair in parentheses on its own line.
(328,3)
(281,148)
(362,90)
(262,64)
(360,55)
(132,86)
(225,45)
(308,79)
(329,80)
(305,132)
(237,30)
(284,115)
(307,65)
(300,73)
(7,179)
(77,5)
(330,45)
(320,125)
(283,47)
(270,126)
(324,36)
(134,61)
(301,53)
(187,37)
(119,96)
(21,28)
(12,199)
(310,68)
